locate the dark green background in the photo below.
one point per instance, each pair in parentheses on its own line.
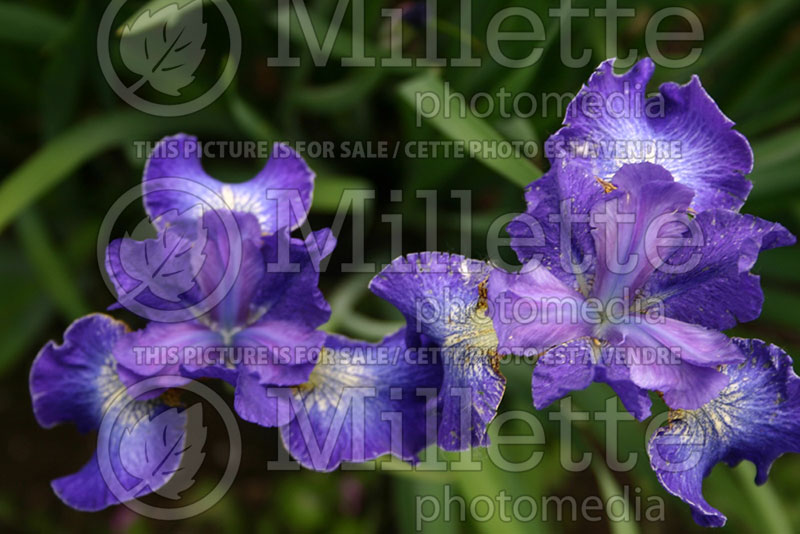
(66,151)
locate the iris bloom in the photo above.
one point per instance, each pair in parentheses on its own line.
(652,285)
(262,331)
(77,382)
(223,278)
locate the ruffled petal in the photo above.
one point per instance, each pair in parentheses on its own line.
(73,382)
(77,382)
(611,122)
(174,179)
(711,284)
(756,417)
(443,297)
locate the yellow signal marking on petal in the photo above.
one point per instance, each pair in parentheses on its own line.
(607,186)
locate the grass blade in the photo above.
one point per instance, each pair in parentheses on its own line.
(462,125)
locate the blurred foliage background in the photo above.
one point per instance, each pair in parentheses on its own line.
(67,151)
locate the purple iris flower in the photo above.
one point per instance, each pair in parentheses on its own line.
(77,382)
(175,182)
(612,122)
(756,418)
(623,284)
(443,298)
(362,400)
(258,330)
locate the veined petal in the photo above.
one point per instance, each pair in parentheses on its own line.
(611,122)
(554,229)
(174,179)
(77,382)
(361,402)
(563,369)
(628,228)
(756,417)
(443,297)
(711,284)
(676,358)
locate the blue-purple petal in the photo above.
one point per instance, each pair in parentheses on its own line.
(697,143)
(711,283)
(361,402)
(756,418)
(278,196)
(443,297)
(77,382)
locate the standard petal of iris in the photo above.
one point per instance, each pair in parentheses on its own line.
(174,179)
(290,291)
(77,382)
(443,297)
(628,228)
(711,283)
(756,418)
(555,227)
(611,122)
(362,401)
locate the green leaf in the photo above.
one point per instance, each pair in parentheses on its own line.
(741,37)
(765,500)
(774,159)
(249,120)
(338,97)
(65,153)
(49,268)
(610,488)
(462,126)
